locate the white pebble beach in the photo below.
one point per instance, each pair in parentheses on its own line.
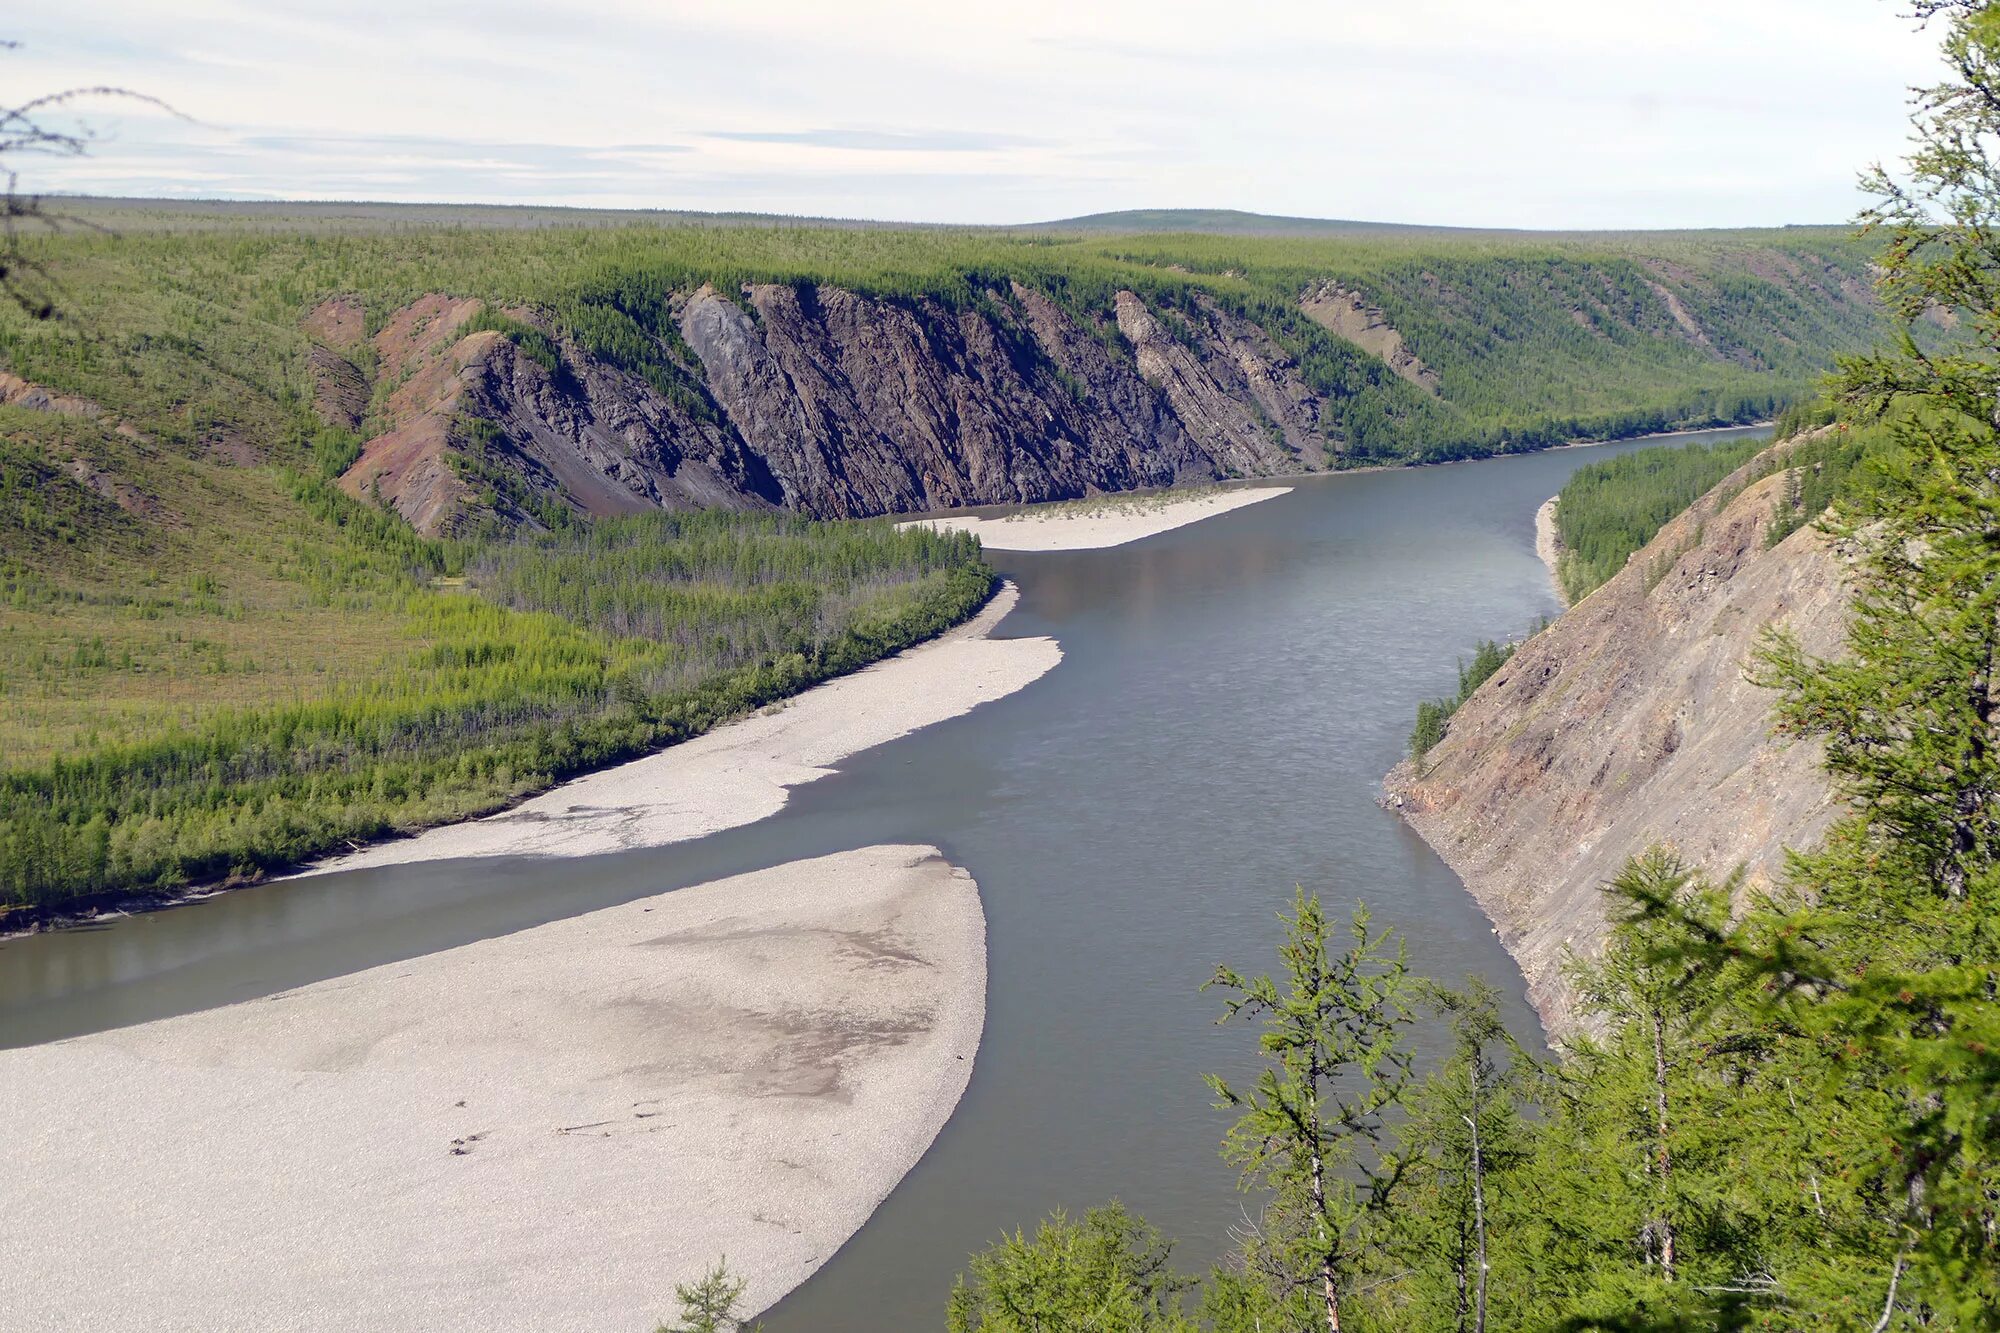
(546,1130)
(742,771)
(1548,544)
(1096,525)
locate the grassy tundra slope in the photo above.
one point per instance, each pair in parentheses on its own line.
(321,522)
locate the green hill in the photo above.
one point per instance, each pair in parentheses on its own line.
(1221,222)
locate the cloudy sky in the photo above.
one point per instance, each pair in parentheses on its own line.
(1529,113)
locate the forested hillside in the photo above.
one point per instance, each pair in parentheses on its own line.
(845,371)
(1609,511)
(298,538)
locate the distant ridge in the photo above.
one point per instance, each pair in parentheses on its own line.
(184,214)
(1227,222)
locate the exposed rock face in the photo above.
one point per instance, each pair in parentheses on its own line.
(1347,314)
(816,399)
(1630,722)
(865,406)
(338,321)
(1236,392)
(475,425)
(339,333)
(340,390)
(410,466)
(604,441)
(17,392)
(1684,320)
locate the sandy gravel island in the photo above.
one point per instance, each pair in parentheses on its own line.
(543,1131)
(1092,525)
(741,772)
(1549,546)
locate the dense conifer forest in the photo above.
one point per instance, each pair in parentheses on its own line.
(1608,511)
(1611,509)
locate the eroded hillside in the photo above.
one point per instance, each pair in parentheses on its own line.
(1629,722)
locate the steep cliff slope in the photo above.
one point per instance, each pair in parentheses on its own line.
(1630,722)
(814,399)
(468,423)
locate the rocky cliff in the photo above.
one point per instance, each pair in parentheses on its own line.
(814,399)
(1629,722)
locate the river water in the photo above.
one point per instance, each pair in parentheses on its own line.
(1230,696)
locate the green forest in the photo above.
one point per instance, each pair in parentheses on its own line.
(1434,715)
(1609,510)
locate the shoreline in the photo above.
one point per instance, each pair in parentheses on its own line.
(1549,546)
(744,770)
(734,774)
(547,1129)
(845,717)
(1226,486)
(1099,523)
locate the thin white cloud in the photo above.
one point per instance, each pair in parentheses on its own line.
(1552,113)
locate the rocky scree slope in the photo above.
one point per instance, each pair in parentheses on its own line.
(1629,722)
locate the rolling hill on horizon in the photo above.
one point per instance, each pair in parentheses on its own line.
(146,213)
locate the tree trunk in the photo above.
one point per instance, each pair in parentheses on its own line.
(1329,1285)
(1664,1159)
(1970,807)
(1478,1205)
(1463,1278)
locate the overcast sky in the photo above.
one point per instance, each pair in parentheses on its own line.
(1527,113)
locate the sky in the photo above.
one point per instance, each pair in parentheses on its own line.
(1518,113)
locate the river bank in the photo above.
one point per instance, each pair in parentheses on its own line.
(543,1130)
(1549,545)
(1228,698)
(741,772)
(1096,524)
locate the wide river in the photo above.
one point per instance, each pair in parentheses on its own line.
(1230,696)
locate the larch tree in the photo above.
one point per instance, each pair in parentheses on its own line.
(1310,1129)
(1893,949)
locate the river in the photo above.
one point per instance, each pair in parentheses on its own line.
(1230,696)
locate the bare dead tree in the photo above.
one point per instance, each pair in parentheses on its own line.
(26,130)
